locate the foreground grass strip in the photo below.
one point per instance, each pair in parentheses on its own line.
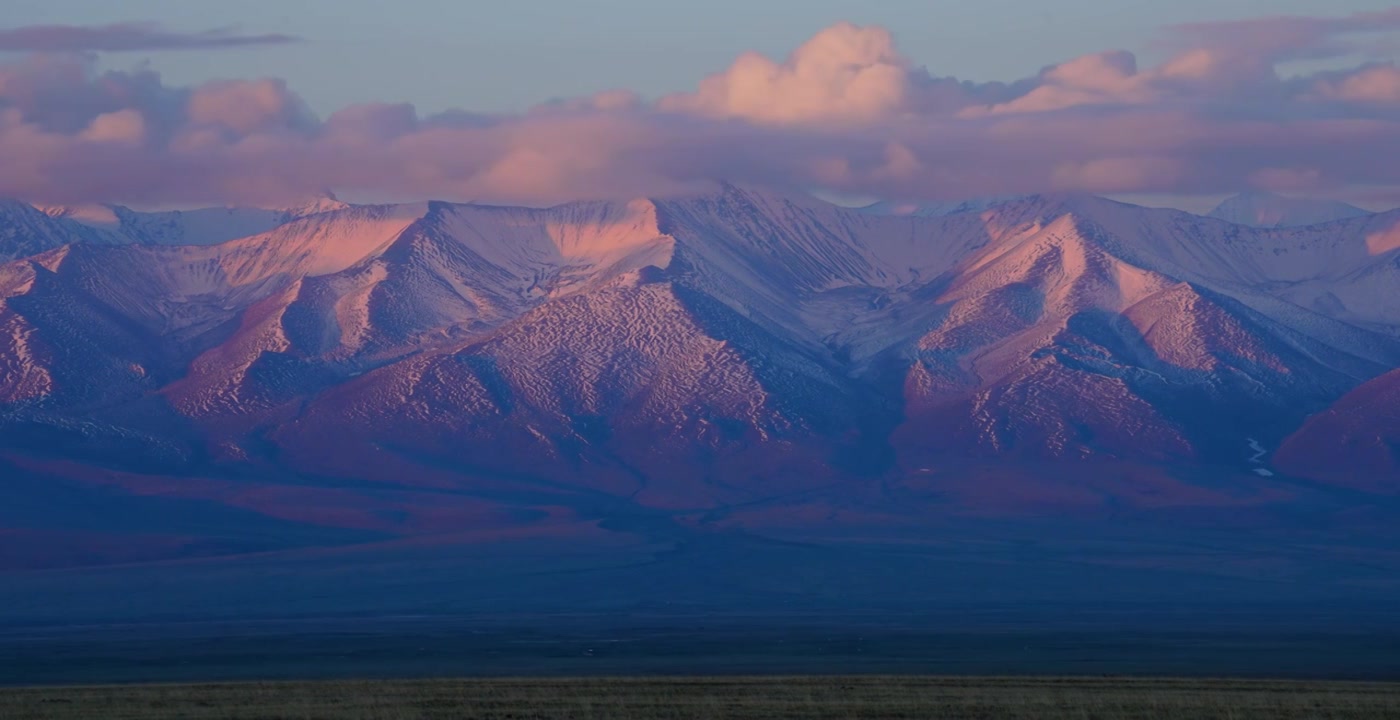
(678,698)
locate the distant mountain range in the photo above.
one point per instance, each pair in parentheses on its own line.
(1269,210)
(736,357)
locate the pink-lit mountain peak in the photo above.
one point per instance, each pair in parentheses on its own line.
(989,291)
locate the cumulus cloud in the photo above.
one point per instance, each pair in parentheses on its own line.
(120,126)
(844,73)
(246,107)
(125,37)
(845,112)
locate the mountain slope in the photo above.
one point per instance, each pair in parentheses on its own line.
(608,389)
(703,352)
(199,226)
(205,226)
(26,231)
(1353,443)
(1060,315)
(1268,210)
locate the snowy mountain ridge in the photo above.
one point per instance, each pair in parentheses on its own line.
(1270,210)
(653,346)
(199,226)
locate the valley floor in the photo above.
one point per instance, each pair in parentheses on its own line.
(771,697)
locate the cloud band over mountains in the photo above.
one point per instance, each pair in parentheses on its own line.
(845,112)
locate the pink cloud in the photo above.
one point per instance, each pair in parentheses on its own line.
(1103,78)
(126,126)
(1373,84)
(845,73)
(845,112)
(246,107)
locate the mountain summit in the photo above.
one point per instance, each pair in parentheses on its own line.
(1269,210)
(724,354)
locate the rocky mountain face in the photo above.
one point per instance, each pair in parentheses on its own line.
(735,357)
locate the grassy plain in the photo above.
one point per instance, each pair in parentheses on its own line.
(808,697)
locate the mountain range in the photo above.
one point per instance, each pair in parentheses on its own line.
(335,375)
(1265,209)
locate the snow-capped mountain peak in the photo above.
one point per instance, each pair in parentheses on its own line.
(734,324)
(1270,210)
(322,203)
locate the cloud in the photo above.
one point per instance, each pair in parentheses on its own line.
(844,73)
(126,37)
(247,107)
(1103,78)
(120,126)
(1371,84)
(846,112)
(1285,37)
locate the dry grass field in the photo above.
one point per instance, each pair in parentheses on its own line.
(676,698)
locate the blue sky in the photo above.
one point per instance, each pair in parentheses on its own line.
(494,56)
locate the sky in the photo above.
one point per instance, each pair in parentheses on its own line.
(158,102)
(504,56)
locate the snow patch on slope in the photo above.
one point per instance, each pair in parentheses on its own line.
(563,246)
(202,226)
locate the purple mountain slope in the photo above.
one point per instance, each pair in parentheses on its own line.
(734,360)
